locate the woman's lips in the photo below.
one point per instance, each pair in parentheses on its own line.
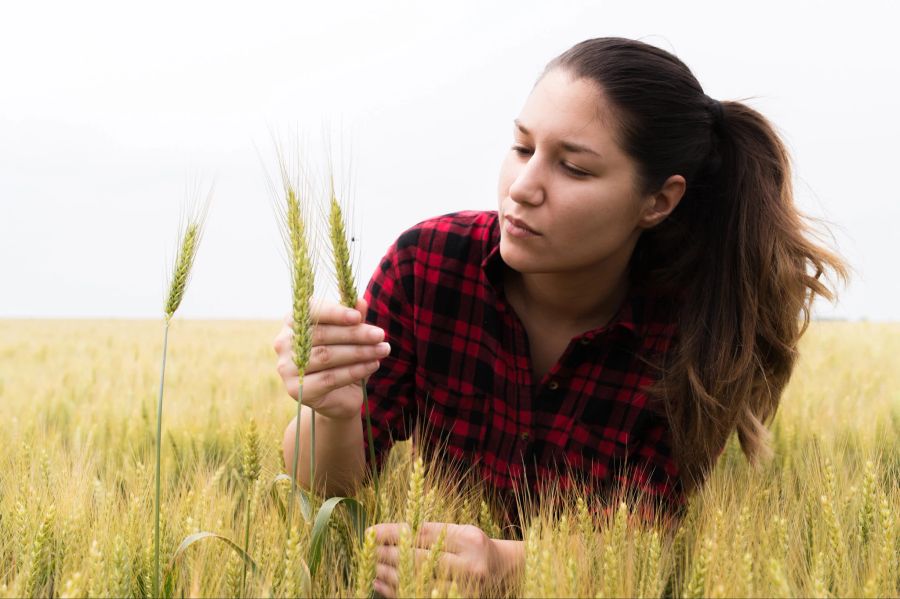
(518,228)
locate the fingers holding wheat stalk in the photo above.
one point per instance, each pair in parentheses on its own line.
(189,241)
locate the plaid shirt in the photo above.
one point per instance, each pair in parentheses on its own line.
(460,358)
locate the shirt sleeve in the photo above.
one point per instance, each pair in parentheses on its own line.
(391,389)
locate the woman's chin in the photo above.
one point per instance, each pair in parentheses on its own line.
(518,258)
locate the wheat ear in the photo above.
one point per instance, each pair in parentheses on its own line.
(366,566)
(42,569)
(415,496)
(532,581)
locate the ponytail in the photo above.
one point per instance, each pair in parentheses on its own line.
(748,272)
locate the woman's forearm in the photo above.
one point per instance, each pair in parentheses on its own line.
(340,464)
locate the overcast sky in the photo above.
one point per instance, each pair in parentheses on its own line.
(108,110)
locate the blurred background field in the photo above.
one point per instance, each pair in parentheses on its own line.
(76,476)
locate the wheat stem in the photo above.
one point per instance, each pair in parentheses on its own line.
(302,288)
(312,450)
(251,468)
(296,460)
(159,408)
(181,274)
(372,451)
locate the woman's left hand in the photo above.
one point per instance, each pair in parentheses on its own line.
(468,553)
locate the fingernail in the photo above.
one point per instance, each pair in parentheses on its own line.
(376,334)
(383,349)
(373,365)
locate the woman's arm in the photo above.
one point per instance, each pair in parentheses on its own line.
(340,466)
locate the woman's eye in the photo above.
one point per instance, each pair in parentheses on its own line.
(521,150)
(575,171)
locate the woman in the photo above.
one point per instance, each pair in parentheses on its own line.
(637,297)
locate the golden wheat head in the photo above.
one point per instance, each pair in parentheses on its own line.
(251,458)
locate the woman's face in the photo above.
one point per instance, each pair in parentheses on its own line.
(568,184)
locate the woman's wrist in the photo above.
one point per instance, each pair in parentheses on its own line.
(512,560)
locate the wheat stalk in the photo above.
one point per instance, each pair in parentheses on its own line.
(250,470)
(42,566)
(349,297)
(302,289)
(178,281)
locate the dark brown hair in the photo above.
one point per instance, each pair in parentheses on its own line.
(739,256)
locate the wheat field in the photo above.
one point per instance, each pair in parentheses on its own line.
(77,478)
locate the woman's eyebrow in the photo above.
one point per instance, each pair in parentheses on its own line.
(566,145)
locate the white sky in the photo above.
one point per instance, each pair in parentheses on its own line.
(108,109)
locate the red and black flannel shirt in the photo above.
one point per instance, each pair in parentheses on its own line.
(460,358)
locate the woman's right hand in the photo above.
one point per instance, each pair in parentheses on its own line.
(345,351)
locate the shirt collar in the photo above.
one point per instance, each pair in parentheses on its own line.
(632,318)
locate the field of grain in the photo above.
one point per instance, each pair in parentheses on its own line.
(77,476)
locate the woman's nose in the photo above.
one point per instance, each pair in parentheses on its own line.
(528,186)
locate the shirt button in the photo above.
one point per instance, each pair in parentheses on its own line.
(524,436)
(585,341)
(553,385)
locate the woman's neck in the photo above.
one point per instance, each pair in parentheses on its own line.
(577,301)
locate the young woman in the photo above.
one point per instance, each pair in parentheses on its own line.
(636,298)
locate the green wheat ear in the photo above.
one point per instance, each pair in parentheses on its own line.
(180,275)
(342,268)
(302,282)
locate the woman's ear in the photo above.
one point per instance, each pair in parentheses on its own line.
(661,204)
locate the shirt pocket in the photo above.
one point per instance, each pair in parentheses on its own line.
(456,420)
